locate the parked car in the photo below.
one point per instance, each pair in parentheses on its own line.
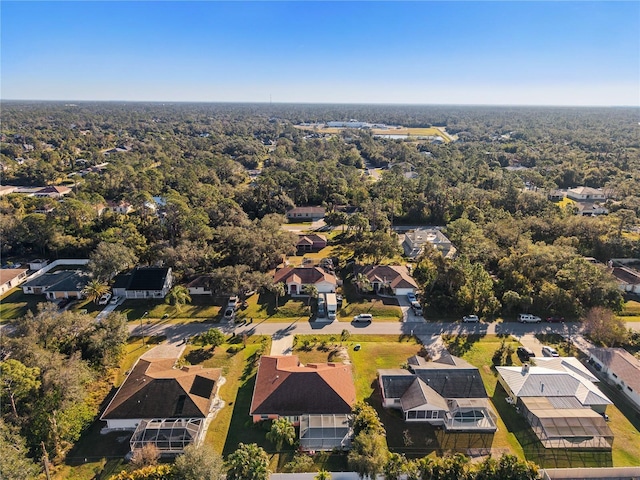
(104,299)
(470,318)
(363,317)
(524,353)
(411,297)
(549,351)
(417,308)
(233,302)
(229,313)
(114,300)
(555,319)
(528,318)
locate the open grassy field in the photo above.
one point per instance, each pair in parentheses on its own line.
(15,304)
(202,307)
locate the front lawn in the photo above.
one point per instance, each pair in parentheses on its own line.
(202,307)
(263,307)
(15,304)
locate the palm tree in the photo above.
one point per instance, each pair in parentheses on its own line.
(95,289)
(279,290)
(178,296)
(322,475)
(363,283)
(282,430)
(311,291)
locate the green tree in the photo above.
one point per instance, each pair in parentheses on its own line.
(199,463)
(18,381)
(368,454)
(322,475)
(15,463)
(282,431)
(213,336)
(178,296)
(395,466)
(145,456)
(279,290)
(476,294)
(301,463)
(311,291)
(108,259)
(248,462)
(95,289)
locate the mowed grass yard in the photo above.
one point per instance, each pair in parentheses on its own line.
(15,304)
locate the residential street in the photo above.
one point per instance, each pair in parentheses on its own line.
(178,332)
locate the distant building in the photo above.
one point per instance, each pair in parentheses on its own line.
(144,282)
(60,284)
(628,279)
(586,193)
(416,240)
(311,242)
(305,214)
(58,191)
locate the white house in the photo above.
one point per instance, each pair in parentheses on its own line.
(144,282)
(620,368)
(628,279)
(394,279)
(586,193)
(415,241)
(200,286)
(11,277)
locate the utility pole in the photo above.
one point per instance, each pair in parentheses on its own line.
(141,327)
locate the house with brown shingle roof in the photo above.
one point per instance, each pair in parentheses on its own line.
(55,191)
(619,368)
(311,242)
(295,278)
(628,279)
(165,406)
(393,279)
(318,397)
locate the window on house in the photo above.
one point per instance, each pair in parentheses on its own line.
(411,415)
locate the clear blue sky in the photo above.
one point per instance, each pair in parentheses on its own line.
(527,53)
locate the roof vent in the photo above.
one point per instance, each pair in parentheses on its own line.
(525,368)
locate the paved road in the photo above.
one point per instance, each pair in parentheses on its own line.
(177,332)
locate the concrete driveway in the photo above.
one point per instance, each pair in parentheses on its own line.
(407,311)
(530,341)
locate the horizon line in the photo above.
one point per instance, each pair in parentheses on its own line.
(256,102)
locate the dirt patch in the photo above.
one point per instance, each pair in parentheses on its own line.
(340,354)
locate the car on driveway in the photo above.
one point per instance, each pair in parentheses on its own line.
(525,354)
(549,351)
(114,300)
(555,319)
(363,317)
(104,299)
(470,319)
(411,297)
(229,313)
(233,302)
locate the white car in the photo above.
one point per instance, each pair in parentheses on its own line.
(233,302)
(104,299)
(115,300)
(528,318)
(549,351)
(363,317)
(470,319)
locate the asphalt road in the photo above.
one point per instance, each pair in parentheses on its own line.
(178,332)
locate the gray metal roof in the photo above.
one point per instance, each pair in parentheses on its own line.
(419,394)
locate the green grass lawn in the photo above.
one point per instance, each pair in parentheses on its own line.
(383,309)
(15,304)
(202,307)
(262,307)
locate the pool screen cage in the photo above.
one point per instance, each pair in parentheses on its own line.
(170,436)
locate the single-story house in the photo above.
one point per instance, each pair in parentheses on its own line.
(58,191)
(556,195)
(311,242)
(590,209)
(11,277)
(121,207)
(628,279)
(620,368)
(200,286)
(415,241)
(560,402)
(163,405)
(318,397)
(144,282)
(60,284)
(447,392)
(394,279)
(305,214)
(586,193)
(296,278)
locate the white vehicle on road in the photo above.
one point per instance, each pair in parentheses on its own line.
(528,318)
(470,318)
(363,317)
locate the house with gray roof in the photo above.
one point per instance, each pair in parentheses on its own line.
(56,285)
(417,240)
(447,392)
(561,403)
(144,282)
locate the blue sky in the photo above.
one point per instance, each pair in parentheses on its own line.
(456,52)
